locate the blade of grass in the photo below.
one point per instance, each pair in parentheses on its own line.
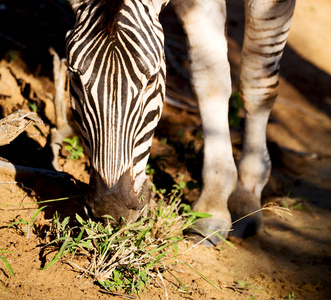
(203,277)
(44,201)
(180,283)
(7,265)
(59,254)
(34,215)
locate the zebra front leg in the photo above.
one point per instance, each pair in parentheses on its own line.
(204,24)
(266,30)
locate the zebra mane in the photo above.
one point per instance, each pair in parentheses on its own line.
(110,10)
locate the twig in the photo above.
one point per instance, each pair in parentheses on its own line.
(24,173)
(13,41)
(299,109)
(174,100)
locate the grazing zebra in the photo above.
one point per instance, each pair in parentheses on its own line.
(117,68)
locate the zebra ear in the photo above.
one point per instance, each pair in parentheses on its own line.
(159,5)
(76,3)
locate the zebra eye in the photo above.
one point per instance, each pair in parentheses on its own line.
(73,73)
(152,79)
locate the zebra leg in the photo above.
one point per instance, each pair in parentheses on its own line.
(204,23)
(266,30)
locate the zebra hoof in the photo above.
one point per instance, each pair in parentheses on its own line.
(210,231)
(245,209)
(245,227)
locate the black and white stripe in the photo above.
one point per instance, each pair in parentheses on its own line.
(117,86)
(266,33)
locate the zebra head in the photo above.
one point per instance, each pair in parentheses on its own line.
(116,64)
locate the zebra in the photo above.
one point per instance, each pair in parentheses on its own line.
(116,63)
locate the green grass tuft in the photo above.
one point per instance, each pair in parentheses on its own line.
(73,148)
(127,256)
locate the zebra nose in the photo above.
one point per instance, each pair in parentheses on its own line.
(118,201)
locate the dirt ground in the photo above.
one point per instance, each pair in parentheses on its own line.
(289,258)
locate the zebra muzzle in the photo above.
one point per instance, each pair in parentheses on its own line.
(119,201)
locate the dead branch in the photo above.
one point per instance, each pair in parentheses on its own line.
(63,129)
(13,125)
(60,79)
(29,173)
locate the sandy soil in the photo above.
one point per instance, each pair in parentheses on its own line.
(289,256)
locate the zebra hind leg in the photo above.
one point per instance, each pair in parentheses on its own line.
(266,30)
